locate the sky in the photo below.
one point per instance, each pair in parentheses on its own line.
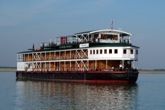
(24,22)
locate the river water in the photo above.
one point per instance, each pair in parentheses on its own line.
(147,94)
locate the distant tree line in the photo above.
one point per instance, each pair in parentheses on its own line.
(151,69)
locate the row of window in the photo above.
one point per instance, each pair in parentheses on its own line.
(125,51)
(105,51)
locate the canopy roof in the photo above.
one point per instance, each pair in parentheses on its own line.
(123,33)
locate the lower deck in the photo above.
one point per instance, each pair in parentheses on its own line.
(81,65)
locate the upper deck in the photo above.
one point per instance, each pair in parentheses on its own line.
(96,38)
(104,36)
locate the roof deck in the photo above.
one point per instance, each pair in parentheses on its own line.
(104,36)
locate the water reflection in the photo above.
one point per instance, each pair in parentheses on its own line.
(33,95)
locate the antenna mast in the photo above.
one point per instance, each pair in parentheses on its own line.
(112,23)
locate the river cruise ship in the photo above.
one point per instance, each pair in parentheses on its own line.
(99,56)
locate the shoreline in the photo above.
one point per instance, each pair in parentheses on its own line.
(150,71)
(8,69)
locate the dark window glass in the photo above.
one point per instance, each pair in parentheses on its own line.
(97,51)
(124,51)
(105,51)
(100,51)
(116,51)
(131,51)
(90,51)
(93,51)
(110,51)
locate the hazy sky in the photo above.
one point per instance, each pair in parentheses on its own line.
(24,22)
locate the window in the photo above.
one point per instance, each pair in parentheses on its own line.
(97,51)
(131,51)
(124,51)
(90,51)
(100,51)
(105,51)
(116,51)
(110,51)
(93,51)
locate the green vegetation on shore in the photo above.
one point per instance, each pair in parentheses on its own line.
(151,69)
(7,69)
